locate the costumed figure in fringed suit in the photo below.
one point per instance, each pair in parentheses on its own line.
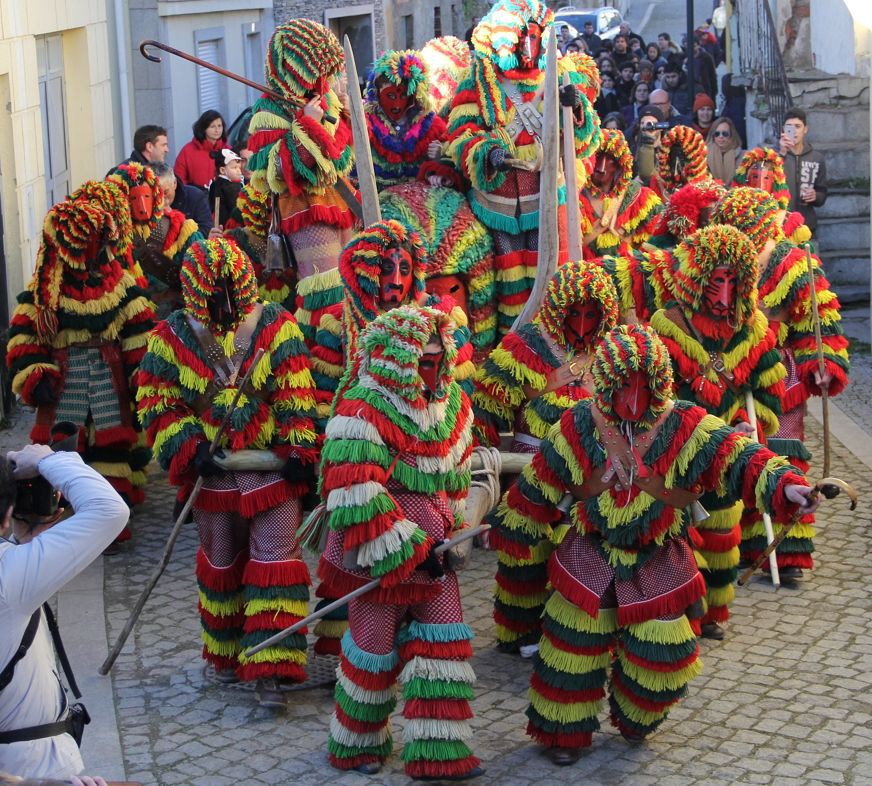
(252,580)
(459,258)
(446,57)
(395,474)
(688,209)
(680,160)
(629,461)
(248,228)
(161,235)
(786,301)
(299,157)
(77,336)
(763,168)
(494,139)
(617,213)
(405,132)
(721,347)
(533,376)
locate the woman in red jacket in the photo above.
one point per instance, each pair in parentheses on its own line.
(194,164)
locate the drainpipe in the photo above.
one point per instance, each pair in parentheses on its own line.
(123,87)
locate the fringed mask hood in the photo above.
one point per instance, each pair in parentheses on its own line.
(301,58)
(446,59)
(113,200)
(132,175)
(578,282)
(696,259)
(687,208)
(254,208)
(752,211)
(614,145)
(360,266)
(682,157)
(584,73)
(403,69)
(628,348)
(497,35)
(767,157)
(76,238)
(207,266)
(391,348)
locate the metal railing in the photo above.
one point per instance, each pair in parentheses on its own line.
(760,61)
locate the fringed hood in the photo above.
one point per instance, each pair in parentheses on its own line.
(687,143)
(614,144)
(684,209)
(301,57)
(132,174)
(771,159)
(497,34)
(752,211)
(446,59)
(404,69)
(112,199)
(254,210)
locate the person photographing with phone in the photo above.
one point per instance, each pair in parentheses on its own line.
(805,168)
(41,549)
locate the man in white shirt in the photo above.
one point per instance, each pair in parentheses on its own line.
(36,561)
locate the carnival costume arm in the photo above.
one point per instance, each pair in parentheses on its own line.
(139,319)
(182,234)
(29,356)
(356,465)
(639,215)
(786,290)
(298,154)
(521,362)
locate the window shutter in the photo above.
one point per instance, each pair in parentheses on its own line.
(208,82)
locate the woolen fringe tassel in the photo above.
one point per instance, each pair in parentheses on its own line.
(519,598)
(220,605)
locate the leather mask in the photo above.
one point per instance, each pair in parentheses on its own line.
(394,102)
(761,177)
(430,367)
(580,325)
(222,309)
(632,400)
(720,293)
(141,204)
(395,278)
(604,173)
(530,46)
(449,286)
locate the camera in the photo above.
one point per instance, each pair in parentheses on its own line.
(655,126)
(36,496)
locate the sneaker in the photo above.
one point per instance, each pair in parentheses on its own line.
(528,650)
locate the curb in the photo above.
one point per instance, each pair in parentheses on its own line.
(850,433)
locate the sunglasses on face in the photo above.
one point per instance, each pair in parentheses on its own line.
(724,134)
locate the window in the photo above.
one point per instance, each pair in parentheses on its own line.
(356,22)
(52,105)
(409,26)
(254,54)
(437,22)
(209,46)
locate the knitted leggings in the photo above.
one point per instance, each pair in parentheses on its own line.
(721,535)
(252,584)
(651,664)
(426,647)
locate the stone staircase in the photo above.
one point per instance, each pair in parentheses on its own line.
(838,117)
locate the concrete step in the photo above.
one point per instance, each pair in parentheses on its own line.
(852,295)
(846,266)
(843,231)
(842,202)
(838,124)
(845,160)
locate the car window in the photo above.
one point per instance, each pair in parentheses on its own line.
(613,19)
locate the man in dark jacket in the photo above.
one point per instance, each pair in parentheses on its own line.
(804,168)
(150,146)
(191,201)
(593,41)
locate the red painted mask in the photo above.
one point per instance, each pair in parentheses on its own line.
(141,203)
(761,177)
(449,286)
(632,399)
(430,365)
(604,173)
(222,310)
(530,46)
(720,293)
(394,102)
(581,323)
(395,278)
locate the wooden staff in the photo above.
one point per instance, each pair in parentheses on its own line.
(767,519)
(570,173)
(368,587)
(177,527)
(822,369)
(217,212)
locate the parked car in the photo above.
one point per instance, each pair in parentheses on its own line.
(573,32)
(606,20)
(237,134)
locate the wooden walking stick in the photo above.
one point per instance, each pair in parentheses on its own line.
(822,369)
(570,173)
(829,488)
(177,527)
(368,587)
(767,519)
(217,211)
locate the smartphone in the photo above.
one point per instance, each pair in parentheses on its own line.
(790,131)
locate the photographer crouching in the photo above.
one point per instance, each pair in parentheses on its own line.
(40,551)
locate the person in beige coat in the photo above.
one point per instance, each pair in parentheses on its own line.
(724,149)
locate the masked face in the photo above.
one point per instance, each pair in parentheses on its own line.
(761,177)
(449,286)
(530,46)
(581,323)
(720,293)
(395,278)
(141,204)
(430,364)
(631,400)
(221,308)
(677,162)
(604,173)
(394,102)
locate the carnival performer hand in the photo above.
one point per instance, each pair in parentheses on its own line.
(566,374)
(434,150)
(25,462)
(298,471)
(44,393)
(745,429)
(569,96)
(313,109)
(432,563)
(803,496)
(437,181)
(87,780)
(785,144)
(823,382)
(216,232)
(497,159)
(204,463)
